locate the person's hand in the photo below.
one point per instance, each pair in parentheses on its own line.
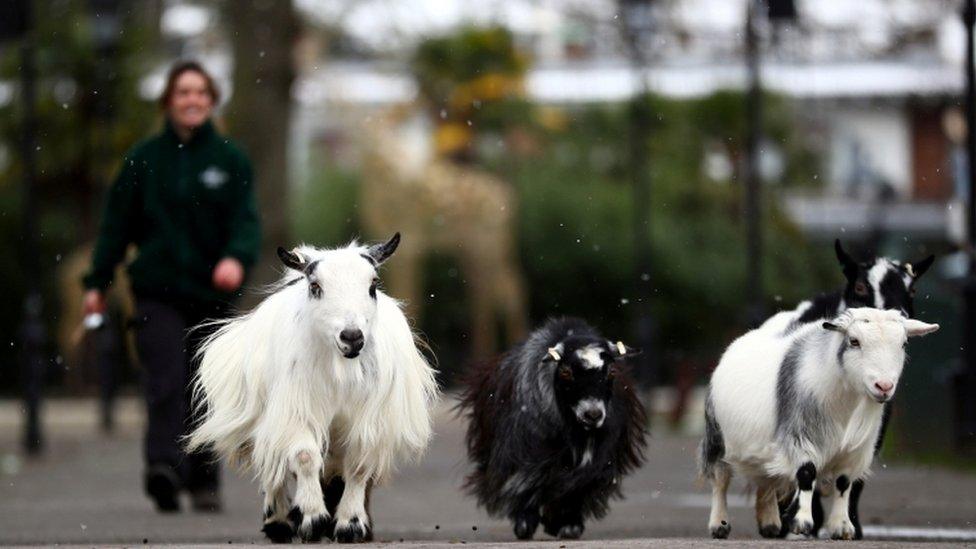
(94,302)
(228,275)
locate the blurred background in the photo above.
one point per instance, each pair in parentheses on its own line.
(671,170)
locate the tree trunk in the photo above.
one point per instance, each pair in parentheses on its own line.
(263,34)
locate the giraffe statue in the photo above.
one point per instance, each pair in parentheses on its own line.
(443,206)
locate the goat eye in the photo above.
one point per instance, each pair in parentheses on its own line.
(565,372)
(855,342)
(611,372)
(314,288)
(860,288)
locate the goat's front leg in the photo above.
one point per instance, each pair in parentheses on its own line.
(525,521)
(839,524)
(309,513)
(564,518)
(806,479)
(276,524)
(351,520)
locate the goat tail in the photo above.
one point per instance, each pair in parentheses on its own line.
(222,405)
(712,447)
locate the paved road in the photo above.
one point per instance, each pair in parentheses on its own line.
(86,490)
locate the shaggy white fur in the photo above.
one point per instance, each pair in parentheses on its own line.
(282,396)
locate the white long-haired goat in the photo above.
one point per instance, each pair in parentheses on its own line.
(322,382)
(788,412)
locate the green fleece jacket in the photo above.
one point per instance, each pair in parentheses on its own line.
(185,206)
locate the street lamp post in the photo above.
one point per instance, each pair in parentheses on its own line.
(636,22)
(32,332)
(966,428)
(106,24)
(777,11)
(753,209)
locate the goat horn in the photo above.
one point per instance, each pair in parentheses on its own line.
(910,270)
(554,353)
(298,254)
(621,348)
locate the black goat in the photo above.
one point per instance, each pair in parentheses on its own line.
(553,427)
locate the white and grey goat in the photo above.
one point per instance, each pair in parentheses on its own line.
(802,411)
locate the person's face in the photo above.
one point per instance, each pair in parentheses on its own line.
(191,104)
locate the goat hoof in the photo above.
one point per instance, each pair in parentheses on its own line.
(770,530)
(571,531)
(350,532)
(525,527)
(802,528)
(844,530)
(721,531)
(313,527)
(278,531)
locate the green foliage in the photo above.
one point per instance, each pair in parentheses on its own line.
(577,222)
(77,149)
(472,82)
(442,64)
(326,207)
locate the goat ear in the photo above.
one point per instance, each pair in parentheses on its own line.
(918,269)
(292,260)
(620,350)
(918,328)
(381,252)
(846,261)
(832,327)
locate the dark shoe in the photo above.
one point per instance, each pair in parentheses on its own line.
(163,486)
(206,500)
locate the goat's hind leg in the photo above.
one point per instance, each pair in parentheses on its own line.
(767,510)
(277,526)
(309,513)
(718,522)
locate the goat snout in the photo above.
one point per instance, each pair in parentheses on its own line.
(884,388)
(591,413)
(351,342)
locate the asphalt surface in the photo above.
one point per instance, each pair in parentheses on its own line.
(86,489)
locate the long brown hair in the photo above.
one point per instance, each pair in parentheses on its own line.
(174,74)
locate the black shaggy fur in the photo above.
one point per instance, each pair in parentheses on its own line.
(537,462)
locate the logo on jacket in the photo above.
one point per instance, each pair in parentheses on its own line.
(213,177)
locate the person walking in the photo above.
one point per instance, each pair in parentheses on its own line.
(185,199)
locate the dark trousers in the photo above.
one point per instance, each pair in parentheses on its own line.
(167,346)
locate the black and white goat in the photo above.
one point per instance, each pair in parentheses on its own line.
(878,282)
(791,413)
(553,427)
(321,384)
